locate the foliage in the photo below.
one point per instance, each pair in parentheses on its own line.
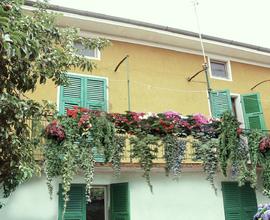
(218,144)
(117,152)
(207,152)
(33,50)
(71,144)
(174,149)
(145,148)
(228,140)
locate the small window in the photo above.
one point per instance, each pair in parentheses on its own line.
(220,69)
(93,54)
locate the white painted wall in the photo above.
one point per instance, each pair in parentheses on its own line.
(189,198)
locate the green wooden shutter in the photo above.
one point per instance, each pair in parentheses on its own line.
(239,202)
(231,200)
(99,156)
(71,95)
(96,94)
(76,206)
(253,113)
(119,201)
(248,201)
(220,102)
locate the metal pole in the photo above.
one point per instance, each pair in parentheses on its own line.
(128,82)
(205,65)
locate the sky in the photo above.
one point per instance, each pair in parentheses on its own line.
(246,21)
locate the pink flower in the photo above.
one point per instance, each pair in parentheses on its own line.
(55,131)
(200,119)
(83,120)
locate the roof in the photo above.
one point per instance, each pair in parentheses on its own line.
(158,34)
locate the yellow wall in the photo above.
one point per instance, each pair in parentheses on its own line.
(158,80)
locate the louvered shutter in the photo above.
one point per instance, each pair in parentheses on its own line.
(248,202)
(240,203)
(220,102)
(76,206)
(232,201)
(99,156)
(71,95)
(119,201)
(96,94)
(253,114)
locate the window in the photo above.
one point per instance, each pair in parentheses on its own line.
(81,50)
(83,91)
(247,107)
(240,203)
(220,69)
(79,209)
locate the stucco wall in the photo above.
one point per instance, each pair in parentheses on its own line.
(159,80)
(189,198)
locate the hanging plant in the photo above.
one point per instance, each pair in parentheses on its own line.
(240,159)
(228,140)
(102,135)
(174,149)
(117,153)
(207,152)
(145,149)
(71,145)
(254,137)
(264,161)
(266,178)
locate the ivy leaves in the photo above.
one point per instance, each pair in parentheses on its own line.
(174,154)
(145,149)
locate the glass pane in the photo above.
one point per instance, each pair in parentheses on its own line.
(95,209)
(84,51)
(218,69)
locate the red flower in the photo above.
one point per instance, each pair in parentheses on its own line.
(239,131)
(83,120)
(264,144)
(72,112)
(84,110)
(55,131)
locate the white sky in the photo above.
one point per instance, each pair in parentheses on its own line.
(246,21)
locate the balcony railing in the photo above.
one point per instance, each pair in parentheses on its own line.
(36,128)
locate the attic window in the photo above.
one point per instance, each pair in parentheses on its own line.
(220,69)
(88,53)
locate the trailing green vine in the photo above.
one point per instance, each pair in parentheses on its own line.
(73,141)
(228,140)
(174,149)
(145,149)
(117,153)
(207,152)
(266,178)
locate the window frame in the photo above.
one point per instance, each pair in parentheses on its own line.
(96,52)
(227,63)
(239,109)
(87,76)
(106,199)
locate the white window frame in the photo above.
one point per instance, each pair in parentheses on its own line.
(106,199)
(239,110)
(224,60)
(84,75)
(96,57)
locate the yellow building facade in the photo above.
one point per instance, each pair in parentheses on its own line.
(161,59)
(158,81)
